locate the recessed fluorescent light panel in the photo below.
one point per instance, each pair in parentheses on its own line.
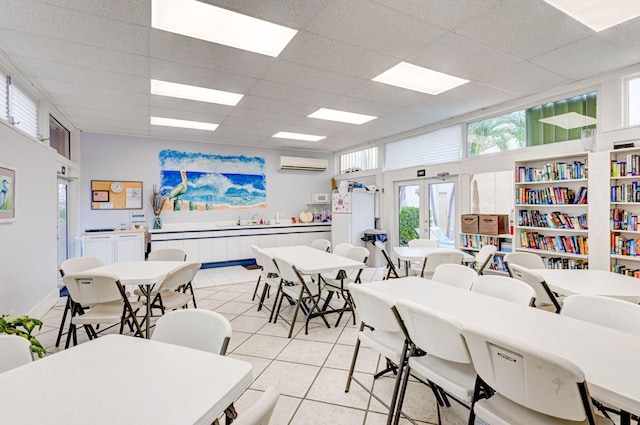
(341,116)
(569,120)
(298,136)
(201,94)
(420,79)
(210,23)
(170,122)
(598,14)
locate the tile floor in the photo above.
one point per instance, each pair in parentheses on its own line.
(309,370)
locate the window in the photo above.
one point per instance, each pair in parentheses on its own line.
(59,138)
(436,147)
(4,97)
(365,159)
(634,101)
(17,107)
(552,122)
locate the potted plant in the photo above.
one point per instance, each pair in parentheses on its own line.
(12,325)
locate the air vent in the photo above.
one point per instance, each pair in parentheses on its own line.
(305,164)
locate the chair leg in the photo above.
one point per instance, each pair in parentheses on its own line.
(67,307)
(353,360)
(255,291)
(403,390)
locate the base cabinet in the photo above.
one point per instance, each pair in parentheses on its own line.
(112,247)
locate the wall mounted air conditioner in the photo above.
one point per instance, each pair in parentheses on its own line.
(298,163)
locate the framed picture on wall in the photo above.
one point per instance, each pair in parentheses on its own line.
(100,196)
(7,194)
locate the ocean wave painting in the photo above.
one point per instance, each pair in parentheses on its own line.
(200,182)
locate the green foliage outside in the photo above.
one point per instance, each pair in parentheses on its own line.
(11,325)
(409,222)
(497,134)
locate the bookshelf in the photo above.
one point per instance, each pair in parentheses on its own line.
(551,206)
(624,211)
(472,242)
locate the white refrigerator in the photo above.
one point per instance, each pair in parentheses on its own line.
(352,213)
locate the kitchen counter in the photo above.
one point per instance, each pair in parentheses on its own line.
(222,244)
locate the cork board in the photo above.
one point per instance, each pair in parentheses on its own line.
(116,195)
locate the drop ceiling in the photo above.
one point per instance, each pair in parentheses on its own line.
(93,60)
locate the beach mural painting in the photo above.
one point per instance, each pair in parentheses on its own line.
(200,182)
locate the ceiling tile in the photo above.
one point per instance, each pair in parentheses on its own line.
(525,79)
(66,88)
(311,78)
(288,93)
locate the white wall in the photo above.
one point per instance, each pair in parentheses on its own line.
(115,157)
(28,258)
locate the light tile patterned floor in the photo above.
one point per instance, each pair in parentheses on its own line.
(309,370)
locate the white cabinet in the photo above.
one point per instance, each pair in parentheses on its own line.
(114,247)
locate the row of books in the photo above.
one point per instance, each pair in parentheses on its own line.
(498,264)
(551,196)
(556,219)
(478,241)
(565,263)
(551,172)
(625,246)
(627,271)
(629,167)
(570,244)
(623,220)
(629,192)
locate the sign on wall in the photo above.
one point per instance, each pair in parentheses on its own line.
(198,182)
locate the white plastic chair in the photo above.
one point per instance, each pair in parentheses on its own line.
(342,249)
(380,331)
(433,260)
(422,242)
(14,351)
(167,254)
(269,274)
(305,296)
(446,366)
(529,260)
(506,288)
(610,312)
(339,283)
(169,295)
(107,301)
(200,329)
(321,244)
(455,275)
(74,265)
(533,387)
(391,268)
(545,298)
(484,257)
(261,411)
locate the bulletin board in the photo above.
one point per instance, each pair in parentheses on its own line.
(116,195)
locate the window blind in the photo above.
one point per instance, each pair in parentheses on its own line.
(23,110)
(436,147)
(366,159)
(4,101)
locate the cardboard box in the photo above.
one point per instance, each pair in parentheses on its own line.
(469,223)
(493,224)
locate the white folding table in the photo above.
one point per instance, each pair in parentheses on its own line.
(118,379)
(144,274)
(591,282)
(313,261)
(418,253)
(608,357)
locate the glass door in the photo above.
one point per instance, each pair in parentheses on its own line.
(63,224)
(410,211)
(442,212)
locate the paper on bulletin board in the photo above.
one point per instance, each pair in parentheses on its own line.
(134,198)
(116,195)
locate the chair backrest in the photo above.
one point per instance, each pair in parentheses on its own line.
(79,264)
(180,276)
(544,296)
(506,288)
(195,328)
(422,242)
(391,268)
(435,259)
(265,260)
(484,257)
(321,244)
(14,351)
(610,312)
(342,249)
(288,272)
(455,275)
(89,289)
(536,379)
(374,308)
(434,332)
(358,253)
(167,254)
(261,411)
(529,260)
